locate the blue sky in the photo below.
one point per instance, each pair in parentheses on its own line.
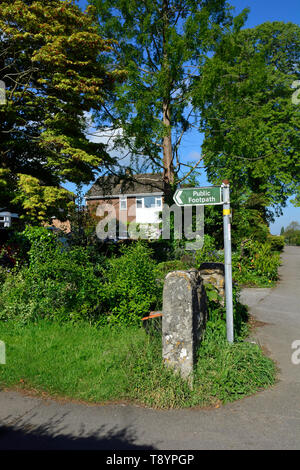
(260,12)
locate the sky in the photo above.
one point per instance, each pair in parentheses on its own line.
(260,12)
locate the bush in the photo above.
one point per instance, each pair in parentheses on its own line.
(209,253)
(3,274)
(131,289)
(256,265)
(62,287)
(65,283)
(167,266)
(58,283)
(276,242)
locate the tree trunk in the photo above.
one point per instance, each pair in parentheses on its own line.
(167,149)
(168,174)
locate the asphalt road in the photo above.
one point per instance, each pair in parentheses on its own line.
(268,420)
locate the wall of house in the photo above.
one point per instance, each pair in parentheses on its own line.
(122,215)
(147,215)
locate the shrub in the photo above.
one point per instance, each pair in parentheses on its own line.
(58,284)
(208,252)
(3,274)
(257,265)
(167,266)
(131,289)
(65,283)
(276,242)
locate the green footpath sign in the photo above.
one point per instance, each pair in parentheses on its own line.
(199,196)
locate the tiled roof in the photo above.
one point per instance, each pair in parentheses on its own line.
(112,185)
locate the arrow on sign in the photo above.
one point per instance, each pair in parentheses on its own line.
(178,197)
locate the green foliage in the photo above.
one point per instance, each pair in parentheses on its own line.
(250,218)
(108,364)
(257,265)
(58,283)
(250,123)
(53,66)
(227,372)
(208,253)
(83,221)
(64,283)
(159,42)
(61,287)
(213,224)
(217,313)
(43,243)
(253,263)
(3,274)
(276,242)
(167,266)
(130,289)
(292,234)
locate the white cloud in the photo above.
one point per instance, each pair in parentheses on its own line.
(110,137)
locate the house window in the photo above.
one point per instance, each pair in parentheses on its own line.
(123,203)
(140,203)
(158,202)
(148,202)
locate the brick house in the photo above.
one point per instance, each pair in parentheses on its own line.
(135,198)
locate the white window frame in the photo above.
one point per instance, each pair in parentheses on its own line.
(156,199)
(139,199)
(124,200)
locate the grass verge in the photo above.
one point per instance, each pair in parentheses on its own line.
(124,364)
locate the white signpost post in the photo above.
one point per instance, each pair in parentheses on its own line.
(214,195)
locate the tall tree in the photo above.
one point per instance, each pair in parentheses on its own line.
(52,62)
(160,44)
(251,125)
(292,233)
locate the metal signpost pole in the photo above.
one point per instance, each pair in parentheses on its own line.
(228,265)
(214,195)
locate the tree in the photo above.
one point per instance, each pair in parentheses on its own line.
(292,233)
(250,123)
(160,43)
(52,61)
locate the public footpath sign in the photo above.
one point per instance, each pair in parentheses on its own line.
(208,196)
(199,196)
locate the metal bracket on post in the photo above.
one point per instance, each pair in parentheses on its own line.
(228,260)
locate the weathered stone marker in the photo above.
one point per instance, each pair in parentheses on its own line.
(213,273)
(183,321)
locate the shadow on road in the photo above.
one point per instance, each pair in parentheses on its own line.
(49,436)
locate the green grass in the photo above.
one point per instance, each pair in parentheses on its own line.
(124,364)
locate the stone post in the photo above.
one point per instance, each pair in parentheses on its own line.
(213,273)
(183,321)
